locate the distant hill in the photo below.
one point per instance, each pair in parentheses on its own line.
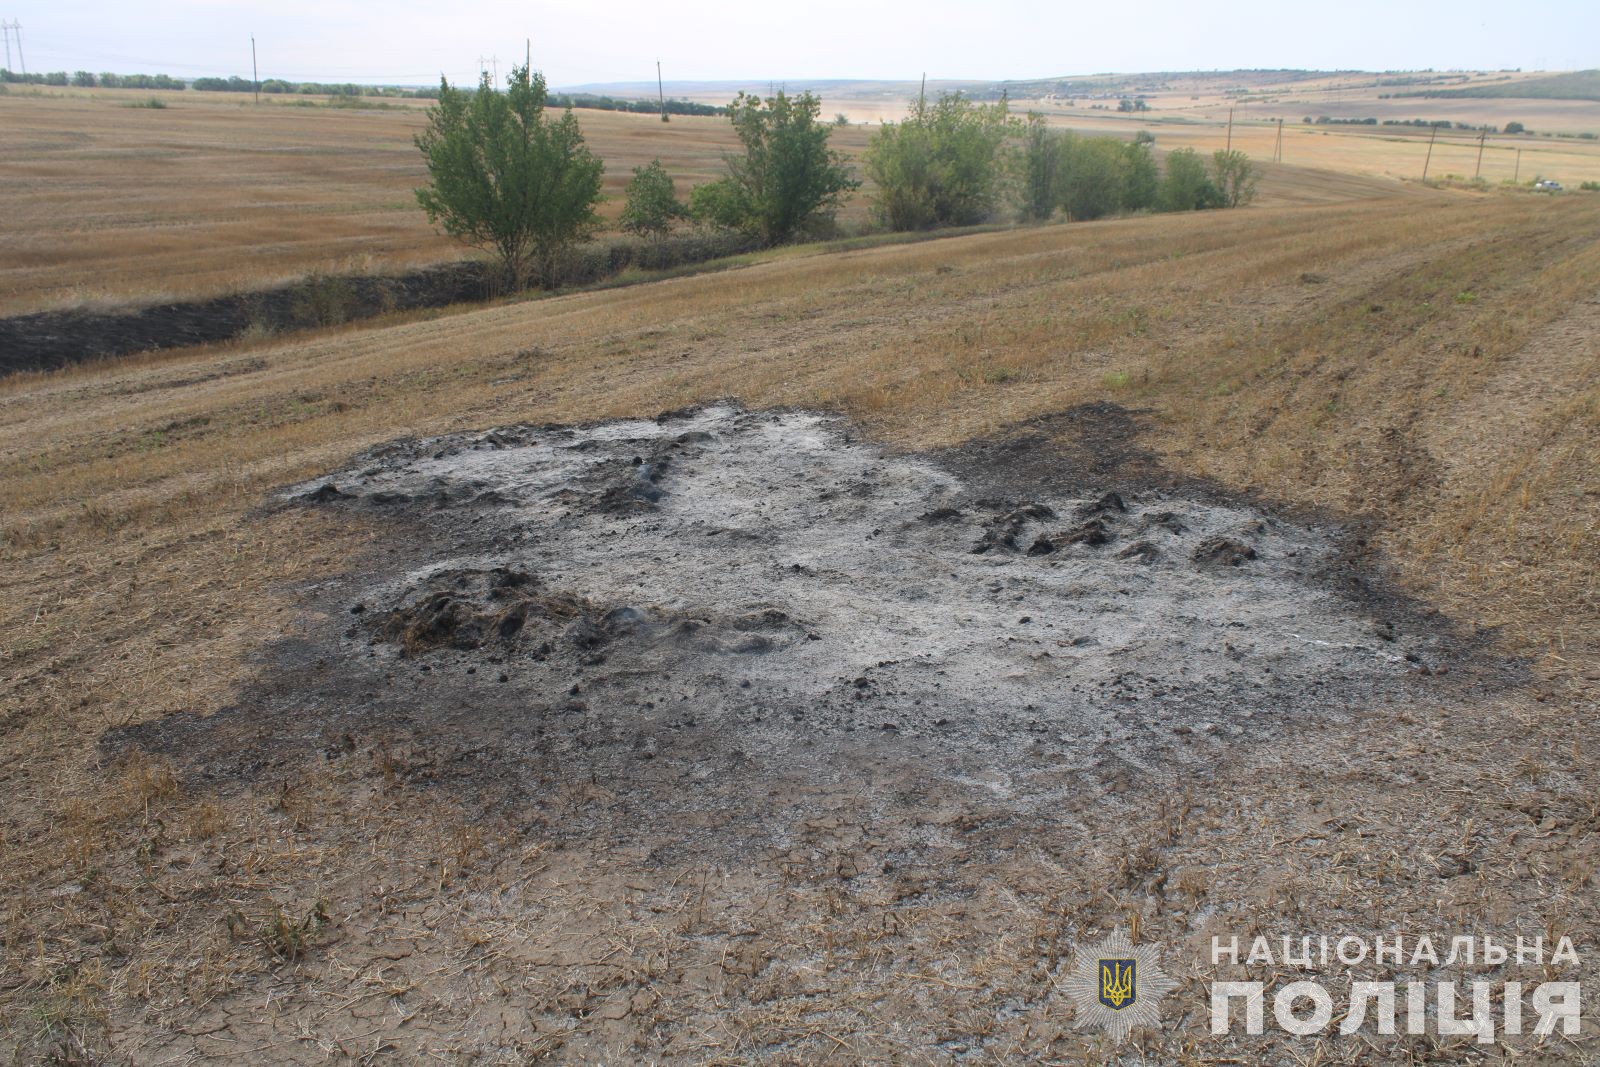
(1072,84)
(1572,85)
(831,87)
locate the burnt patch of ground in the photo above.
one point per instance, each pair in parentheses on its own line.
(1093,449)
(729,621)
(1080,451)
(46,340)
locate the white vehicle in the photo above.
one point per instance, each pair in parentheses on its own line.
(1547,186)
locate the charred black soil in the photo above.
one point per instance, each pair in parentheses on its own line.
(726,621)
(46,340)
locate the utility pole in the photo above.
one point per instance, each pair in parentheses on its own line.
(1432,137)
(255,71)
(922,94)
(1277,151)
(1516,175)
(527,56)
(14,27)
(1482,136)
(661,90)
(1230,131)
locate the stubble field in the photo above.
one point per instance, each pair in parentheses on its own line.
(201,861)
(111,205)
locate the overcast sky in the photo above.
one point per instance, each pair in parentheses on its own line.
(411,41)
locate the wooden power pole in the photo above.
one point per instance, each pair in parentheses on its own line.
(1482,136)
(1431,138)
(255,71)
(661,88)
(1230,130)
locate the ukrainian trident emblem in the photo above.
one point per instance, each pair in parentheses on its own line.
(1119,982)
(1117,985)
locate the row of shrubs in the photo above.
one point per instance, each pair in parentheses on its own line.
(279,87)
(592,102)
(510,177)
(955,162)
(1443,124)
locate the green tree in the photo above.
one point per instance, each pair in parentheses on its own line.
(1186,186)
(1234,176)
(941,166)
(787,181)
(1039,164)
(507,177)
(1140,176)
(83,79)
(652,205)
(1094,177)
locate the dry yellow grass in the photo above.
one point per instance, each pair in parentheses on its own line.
(108,204)
(1425,362)
(1393,152)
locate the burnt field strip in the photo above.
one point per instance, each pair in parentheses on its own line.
(716,607)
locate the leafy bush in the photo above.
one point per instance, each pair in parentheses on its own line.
(941,166)
(1186,186)
(652,205)
(1093,177)
(322,300)
(1039,170)
(506,177)
(786,182)
(1234,176)
(1087,177)
(1141,176)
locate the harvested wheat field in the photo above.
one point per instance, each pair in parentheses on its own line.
(798,662)
(113,205)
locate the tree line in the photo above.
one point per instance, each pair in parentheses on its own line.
(593,102)
(508,175)
(86,79)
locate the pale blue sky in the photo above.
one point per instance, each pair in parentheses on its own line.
(409,41)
